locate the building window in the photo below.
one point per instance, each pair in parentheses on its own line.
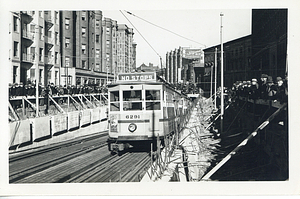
(56,77)
(67,61)
(67,44)
(107,44)
(41,33)
(56,17)
(56,37)
(40,54)
(49,74)
(49,33)
(16,44)
(97,53)
(83,32)
(56,58)
(32,28)
(15,74)
(15,23)
(67,23)
(97,23)
(97,38)
(83,64)
(32,73)
(97,67)
(83,48)
(40,13)
(83,15)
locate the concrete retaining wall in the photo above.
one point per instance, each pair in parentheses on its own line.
(85,117)
(41,127)
(31,130)
(20,132)
(73,120)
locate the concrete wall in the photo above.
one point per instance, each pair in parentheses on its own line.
(65,126)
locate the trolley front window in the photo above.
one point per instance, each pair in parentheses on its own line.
(133,95)
(114,99)
(152,99)
(132,100)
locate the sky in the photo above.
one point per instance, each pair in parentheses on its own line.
(202,26)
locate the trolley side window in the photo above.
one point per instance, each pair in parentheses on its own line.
(153,99)
(114,99)
(132,100)
(114,96)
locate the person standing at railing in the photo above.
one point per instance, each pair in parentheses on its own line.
(280,90)
(271,88)
(254,89)
(263,86)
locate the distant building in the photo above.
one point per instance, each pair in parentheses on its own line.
(125,60)
(149,68)
(184,65)
(109,46)
(269,42)
(264,51)
(237,60)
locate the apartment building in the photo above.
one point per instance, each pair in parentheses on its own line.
(125,61)
(34,54)
(109,46)
(68,47)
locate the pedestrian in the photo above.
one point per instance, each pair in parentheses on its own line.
(263,86)
(254,89)
(271,88)
(280,90)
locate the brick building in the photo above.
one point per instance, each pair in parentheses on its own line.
(68,47)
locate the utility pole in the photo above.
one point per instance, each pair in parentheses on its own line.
(216,66)
(211,78)
(37,75)
(222,76)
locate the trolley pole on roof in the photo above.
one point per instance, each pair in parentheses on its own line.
(222,76)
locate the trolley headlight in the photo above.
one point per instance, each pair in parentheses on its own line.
(132,127)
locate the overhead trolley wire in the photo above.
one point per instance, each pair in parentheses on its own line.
(141,35)
(164,28)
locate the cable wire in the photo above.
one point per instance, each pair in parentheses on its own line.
(141,34)
(164,28)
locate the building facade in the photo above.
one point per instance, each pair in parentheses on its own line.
(125,48)
(237,62)
(269,42)
(34,54)
(68,48)
(184,65)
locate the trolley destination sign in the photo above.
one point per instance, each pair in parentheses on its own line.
(137,77)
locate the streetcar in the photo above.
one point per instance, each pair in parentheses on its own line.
(142,109)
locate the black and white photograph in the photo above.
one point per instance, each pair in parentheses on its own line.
(150,98)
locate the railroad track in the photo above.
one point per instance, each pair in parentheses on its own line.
(75,162)
(18,155)
(28,164)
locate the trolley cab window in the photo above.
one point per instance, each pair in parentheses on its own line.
(152,99)
(114,99)
(132,100)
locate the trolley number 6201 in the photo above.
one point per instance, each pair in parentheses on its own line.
(133,117)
